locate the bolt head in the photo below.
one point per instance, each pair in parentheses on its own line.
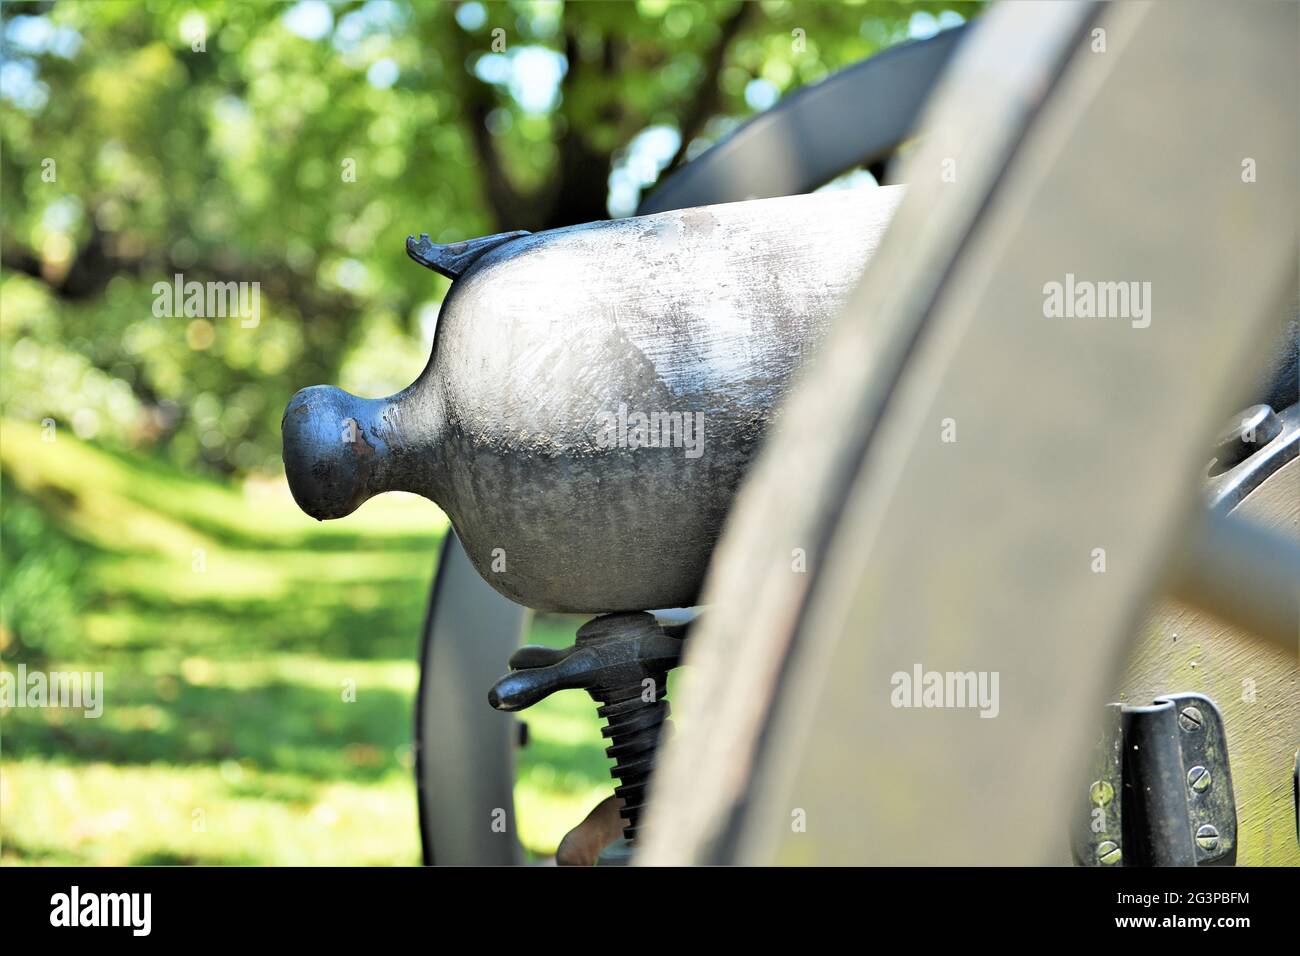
(1101,793)
(1108,853)
(1198,778)
(1207,837)
(1190,719)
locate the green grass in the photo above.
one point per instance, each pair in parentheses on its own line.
(228,626)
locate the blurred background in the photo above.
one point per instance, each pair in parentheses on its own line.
(147,530)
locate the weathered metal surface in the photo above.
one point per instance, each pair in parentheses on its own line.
(1161,793)
(1172,747)
(1098,835)
(523,426)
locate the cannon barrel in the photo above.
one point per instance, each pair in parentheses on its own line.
(595,393)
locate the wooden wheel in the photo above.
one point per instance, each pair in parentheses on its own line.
(865,543)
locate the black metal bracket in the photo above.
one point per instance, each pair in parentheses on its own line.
(1160,791)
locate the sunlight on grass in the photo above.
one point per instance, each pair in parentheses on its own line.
(259,675)
(103,815)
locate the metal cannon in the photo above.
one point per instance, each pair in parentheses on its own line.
(595,393)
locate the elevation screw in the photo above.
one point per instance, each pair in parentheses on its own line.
(621,660)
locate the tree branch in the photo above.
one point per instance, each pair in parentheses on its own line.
(578,187)
(510,209)
(708,98)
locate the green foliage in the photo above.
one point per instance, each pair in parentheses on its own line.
(227,626)
(41,594)
(297,145)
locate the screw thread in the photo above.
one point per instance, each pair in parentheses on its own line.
(634,727)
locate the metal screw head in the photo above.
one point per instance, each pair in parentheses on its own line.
(1101,793)
(1190,719)
(1198,778)
(1108,853)
(1207,838)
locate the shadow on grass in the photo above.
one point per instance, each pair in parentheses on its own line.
(202,677)
(234,537)
(18,850)
(328,620)
(279,727)
(171,858)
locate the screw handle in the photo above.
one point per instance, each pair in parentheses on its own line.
(534,680)
(613,651)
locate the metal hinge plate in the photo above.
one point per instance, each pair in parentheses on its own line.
(1160,791)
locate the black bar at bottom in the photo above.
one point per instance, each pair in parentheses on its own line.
(538,906)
